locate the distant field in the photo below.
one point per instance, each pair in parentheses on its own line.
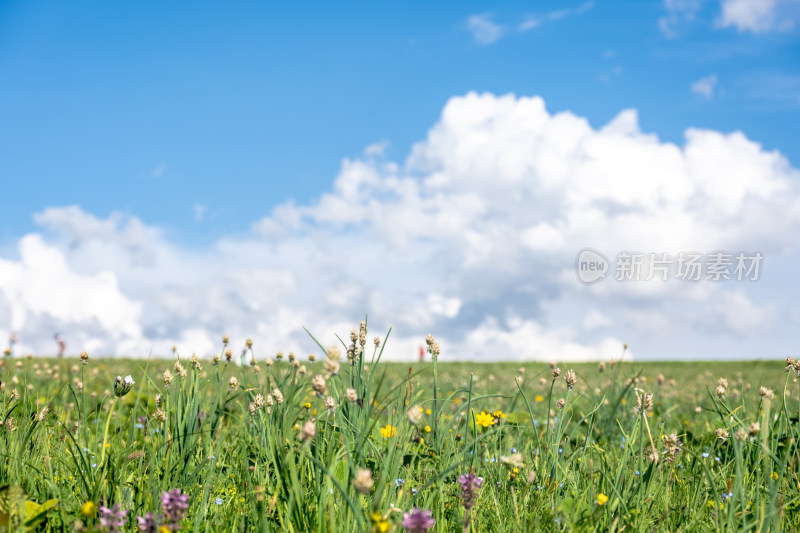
(332,445)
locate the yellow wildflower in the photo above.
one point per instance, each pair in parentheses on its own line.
(484,419)
(307,405)
(602,499)
(774,475)
(427,429)
(380,524)
(388,431)
(539,398)
(427,411)
(87,509)
(499,415)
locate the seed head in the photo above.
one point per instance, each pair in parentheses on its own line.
(363,481)
(308,431)
(570,378)
(85,358)
(556,372)
(722,434)
(233,384)
(766,393)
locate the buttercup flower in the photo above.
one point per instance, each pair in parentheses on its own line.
(484,419)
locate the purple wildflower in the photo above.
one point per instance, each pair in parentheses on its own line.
(113,519)
(418,521)
(470,484)
(147,523)
(174,505)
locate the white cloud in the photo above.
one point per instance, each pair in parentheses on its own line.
(755,16)
(534,21)
(473,238)
(678,11)
(705,86)
(159,170)
(483,30)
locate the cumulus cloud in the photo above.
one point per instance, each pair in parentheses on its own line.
(473,237)
(757,16)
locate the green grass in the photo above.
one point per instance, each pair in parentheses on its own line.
(585,467)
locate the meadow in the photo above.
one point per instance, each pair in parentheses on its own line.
(258,440)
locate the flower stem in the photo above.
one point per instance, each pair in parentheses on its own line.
(105,434)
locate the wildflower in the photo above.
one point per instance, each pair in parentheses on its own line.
(218,501)
(514,460)
(318,384)
(226,339)
(644,402)
(269,362)
(363,481)
(484,419)
(179,370)
(418,521)
(498,416)
(333,353)
(723,383)
(248,342)
(427,429)
(88,509)
(84,358)
(741,434)
(331,367)
(470,485)
(721,391)
(766,393)
(415,415)
(672,447)
(561,403)
(352,397)
(112,519)
(570,378)
(216,359)
(388,431)
(147,523)
(279,356)
(538,398)
(379,522)
(754,428)
(722,434)
(228,355)
(602,499)
(159,415)
(308,431)
(166,377)
(278,395)
(233,384)
(556,373)
(330,403)
(123,386)
(174,505)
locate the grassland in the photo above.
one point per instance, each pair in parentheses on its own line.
(349,443)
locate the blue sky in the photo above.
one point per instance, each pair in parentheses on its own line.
(197,120)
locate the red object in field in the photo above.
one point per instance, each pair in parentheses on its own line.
(421,353)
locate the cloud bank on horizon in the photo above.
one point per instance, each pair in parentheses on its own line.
(473,238)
